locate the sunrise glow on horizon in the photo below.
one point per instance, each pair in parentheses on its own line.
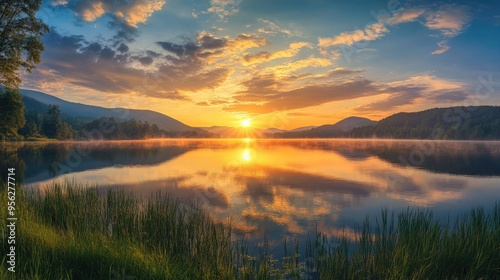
(279,64)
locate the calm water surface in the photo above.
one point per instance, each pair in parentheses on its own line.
(278,188)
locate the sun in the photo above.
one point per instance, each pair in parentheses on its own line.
(246,123)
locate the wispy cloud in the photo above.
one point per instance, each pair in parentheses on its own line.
(451,20)
(417,90)
(369,33)
(292,51)
(284,70)
(443,47)
(372,31)
(406,15)
(272,28)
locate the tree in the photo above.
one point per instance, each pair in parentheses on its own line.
(53,125)
(11,114)
(20,39)
(30,130)
(52,122)
(20,47)
(65,132)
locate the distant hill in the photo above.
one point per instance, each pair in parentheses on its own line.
(467,123)
(277,130)
(273,130)
(329,130)
(241,132)
(464,123)
(39,101)
(303,128)
(35,105)
(337,129)
(346,124)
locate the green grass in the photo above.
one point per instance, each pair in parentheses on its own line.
(77,232)
(74,232)
(415,245)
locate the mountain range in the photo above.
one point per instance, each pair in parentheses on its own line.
(337,129)
(242,132)
(472,122)
(39,101)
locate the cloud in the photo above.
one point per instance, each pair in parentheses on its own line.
(140,12)
(123,48)
(92,11)
(181,50)
(264,92)
(453,96)
(398,96)
(73,60)
(373,31)
(443,47)
(130,12)
(224,8)
(420,89)
(288,68)
(370,33)
(268,93)
(406,15)
(209,41)
(247,41)
(146,60)
(59,2)
(338,72)
(272,28)
(449,19)
(261,57)
(432,83)
(207,45)
(214,102)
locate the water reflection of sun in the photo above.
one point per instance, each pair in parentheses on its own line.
(246,156)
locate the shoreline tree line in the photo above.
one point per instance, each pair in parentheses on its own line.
(53,125)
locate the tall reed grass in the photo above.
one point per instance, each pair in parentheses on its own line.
(415,245)
(70,231)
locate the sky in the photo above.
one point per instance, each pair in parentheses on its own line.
(281,63)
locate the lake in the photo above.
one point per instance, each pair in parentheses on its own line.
(275,188)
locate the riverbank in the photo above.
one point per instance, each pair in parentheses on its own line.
(80,232)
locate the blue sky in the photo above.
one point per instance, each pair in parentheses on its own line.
(283,63)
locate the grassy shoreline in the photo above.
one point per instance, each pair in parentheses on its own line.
(77,232)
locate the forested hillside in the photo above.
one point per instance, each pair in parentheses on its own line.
(467,123)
